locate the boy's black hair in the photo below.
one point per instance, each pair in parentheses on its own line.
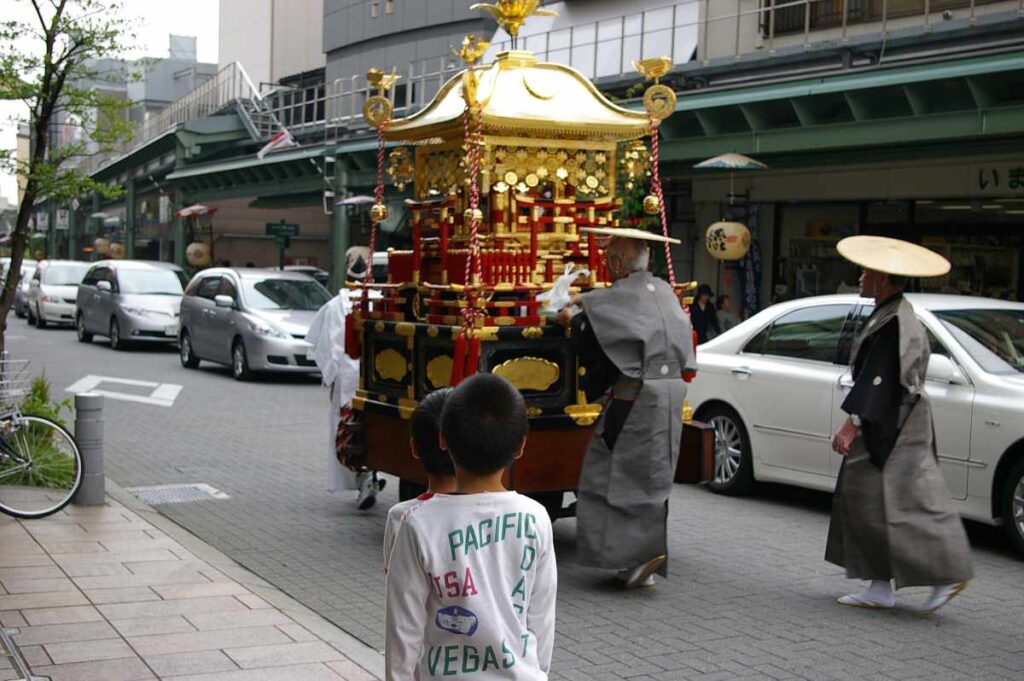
(484,422)
(426,425)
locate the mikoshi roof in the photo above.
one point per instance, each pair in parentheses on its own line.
(893,256)
(518,95)
(630,233)
(731,161)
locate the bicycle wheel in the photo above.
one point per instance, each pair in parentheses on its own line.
(40,466)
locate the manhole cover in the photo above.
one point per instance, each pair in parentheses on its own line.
(177,494)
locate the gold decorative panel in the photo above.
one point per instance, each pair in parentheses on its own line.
(439,371)
(390,365)
(528,373)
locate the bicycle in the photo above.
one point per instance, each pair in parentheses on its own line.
(40,464)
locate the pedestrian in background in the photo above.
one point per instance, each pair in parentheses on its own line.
(703,315)
(892,518)
(472,580)
(726,313)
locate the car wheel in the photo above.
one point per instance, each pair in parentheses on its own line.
(734,466)
(83,335)
(116,342)
(40,322)
(240,362)
(1013,506)
(31,317)
(19,311)
(186,353)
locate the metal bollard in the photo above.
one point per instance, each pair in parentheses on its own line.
(89,437)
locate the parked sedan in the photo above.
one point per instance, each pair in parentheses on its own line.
(773,385)
(53,291)
(253,320)
(130,301)
(28,269)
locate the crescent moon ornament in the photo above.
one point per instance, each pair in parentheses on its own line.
(660,101)
(377,110)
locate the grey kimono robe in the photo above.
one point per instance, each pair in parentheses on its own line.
(892,517)
(622,505)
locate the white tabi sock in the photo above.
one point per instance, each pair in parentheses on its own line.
(877,595)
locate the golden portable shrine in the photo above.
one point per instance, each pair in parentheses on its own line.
(507,164)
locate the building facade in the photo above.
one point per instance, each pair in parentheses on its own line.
(898,122)
(272,39)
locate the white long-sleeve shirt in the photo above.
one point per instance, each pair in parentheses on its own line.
(471,590)
(396,516)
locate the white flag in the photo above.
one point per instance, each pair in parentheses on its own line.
(282,140)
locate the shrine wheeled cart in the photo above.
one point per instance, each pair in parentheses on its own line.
(507,164)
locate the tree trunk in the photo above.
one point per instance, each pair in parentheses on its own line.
(19,238)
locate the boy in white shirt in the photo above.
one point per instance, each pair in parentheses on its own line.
(425,445)
(472,580)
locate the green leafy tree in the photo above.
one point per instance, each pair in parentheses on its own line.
(49,54)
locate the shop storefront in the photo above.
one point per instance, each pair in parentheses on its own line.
(969,209)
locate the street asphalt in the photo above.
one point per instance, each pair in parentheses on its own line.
(749,595)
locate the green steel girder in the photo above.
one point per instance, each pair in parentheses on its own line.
(896,134)
(958,99)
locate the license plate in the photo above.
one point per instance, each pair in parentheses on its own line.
(171,330)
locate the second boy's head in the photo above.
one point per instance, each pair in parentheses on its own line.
(484,424)
(426,428)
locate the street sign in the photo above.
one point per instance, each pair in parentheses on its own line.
(283,241)
(282,229)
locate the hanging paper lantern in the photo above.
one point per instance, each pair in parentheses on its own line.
(116,250)
(198,254)
(101,245)
(727,240)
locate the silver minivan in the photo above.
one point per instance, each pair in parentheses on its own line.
(130,301)
(250,319)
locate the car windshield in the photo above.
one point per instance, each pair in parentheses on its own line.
(70,274)
(149,282)
(994,338)
(284,294)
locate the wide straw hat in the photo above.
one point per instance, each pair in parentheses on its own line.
(630,233)
(893,256)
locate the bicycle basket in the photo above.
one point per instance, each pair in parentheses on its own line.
(15,382)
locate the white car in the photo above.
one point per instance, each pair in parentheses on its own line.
(773,385)
(53,292)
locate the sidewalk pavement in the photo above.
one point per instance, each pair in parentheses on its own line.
(119,593)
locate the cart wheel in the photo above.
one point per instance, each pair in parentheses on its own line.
(409,490)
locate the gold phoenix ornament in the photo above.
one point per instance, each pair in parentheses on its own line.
(377,109)
(470,52)
(511,14)
(659,100)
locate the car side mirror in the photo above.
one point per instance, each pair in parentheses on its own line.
(224,301)
(104,286)
(942,370)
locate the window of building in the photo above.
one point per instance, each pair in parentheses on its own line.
(389,6)
(375,9)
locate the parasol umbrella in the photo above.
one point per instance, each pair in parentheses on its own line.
(360,200)
(731,162)
(195,210)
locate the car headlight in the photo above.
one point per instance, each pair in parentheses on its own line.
(143,312)
(261,328)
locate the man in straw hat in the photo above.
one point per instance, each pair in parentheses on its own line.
(634,341)
(891,516)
